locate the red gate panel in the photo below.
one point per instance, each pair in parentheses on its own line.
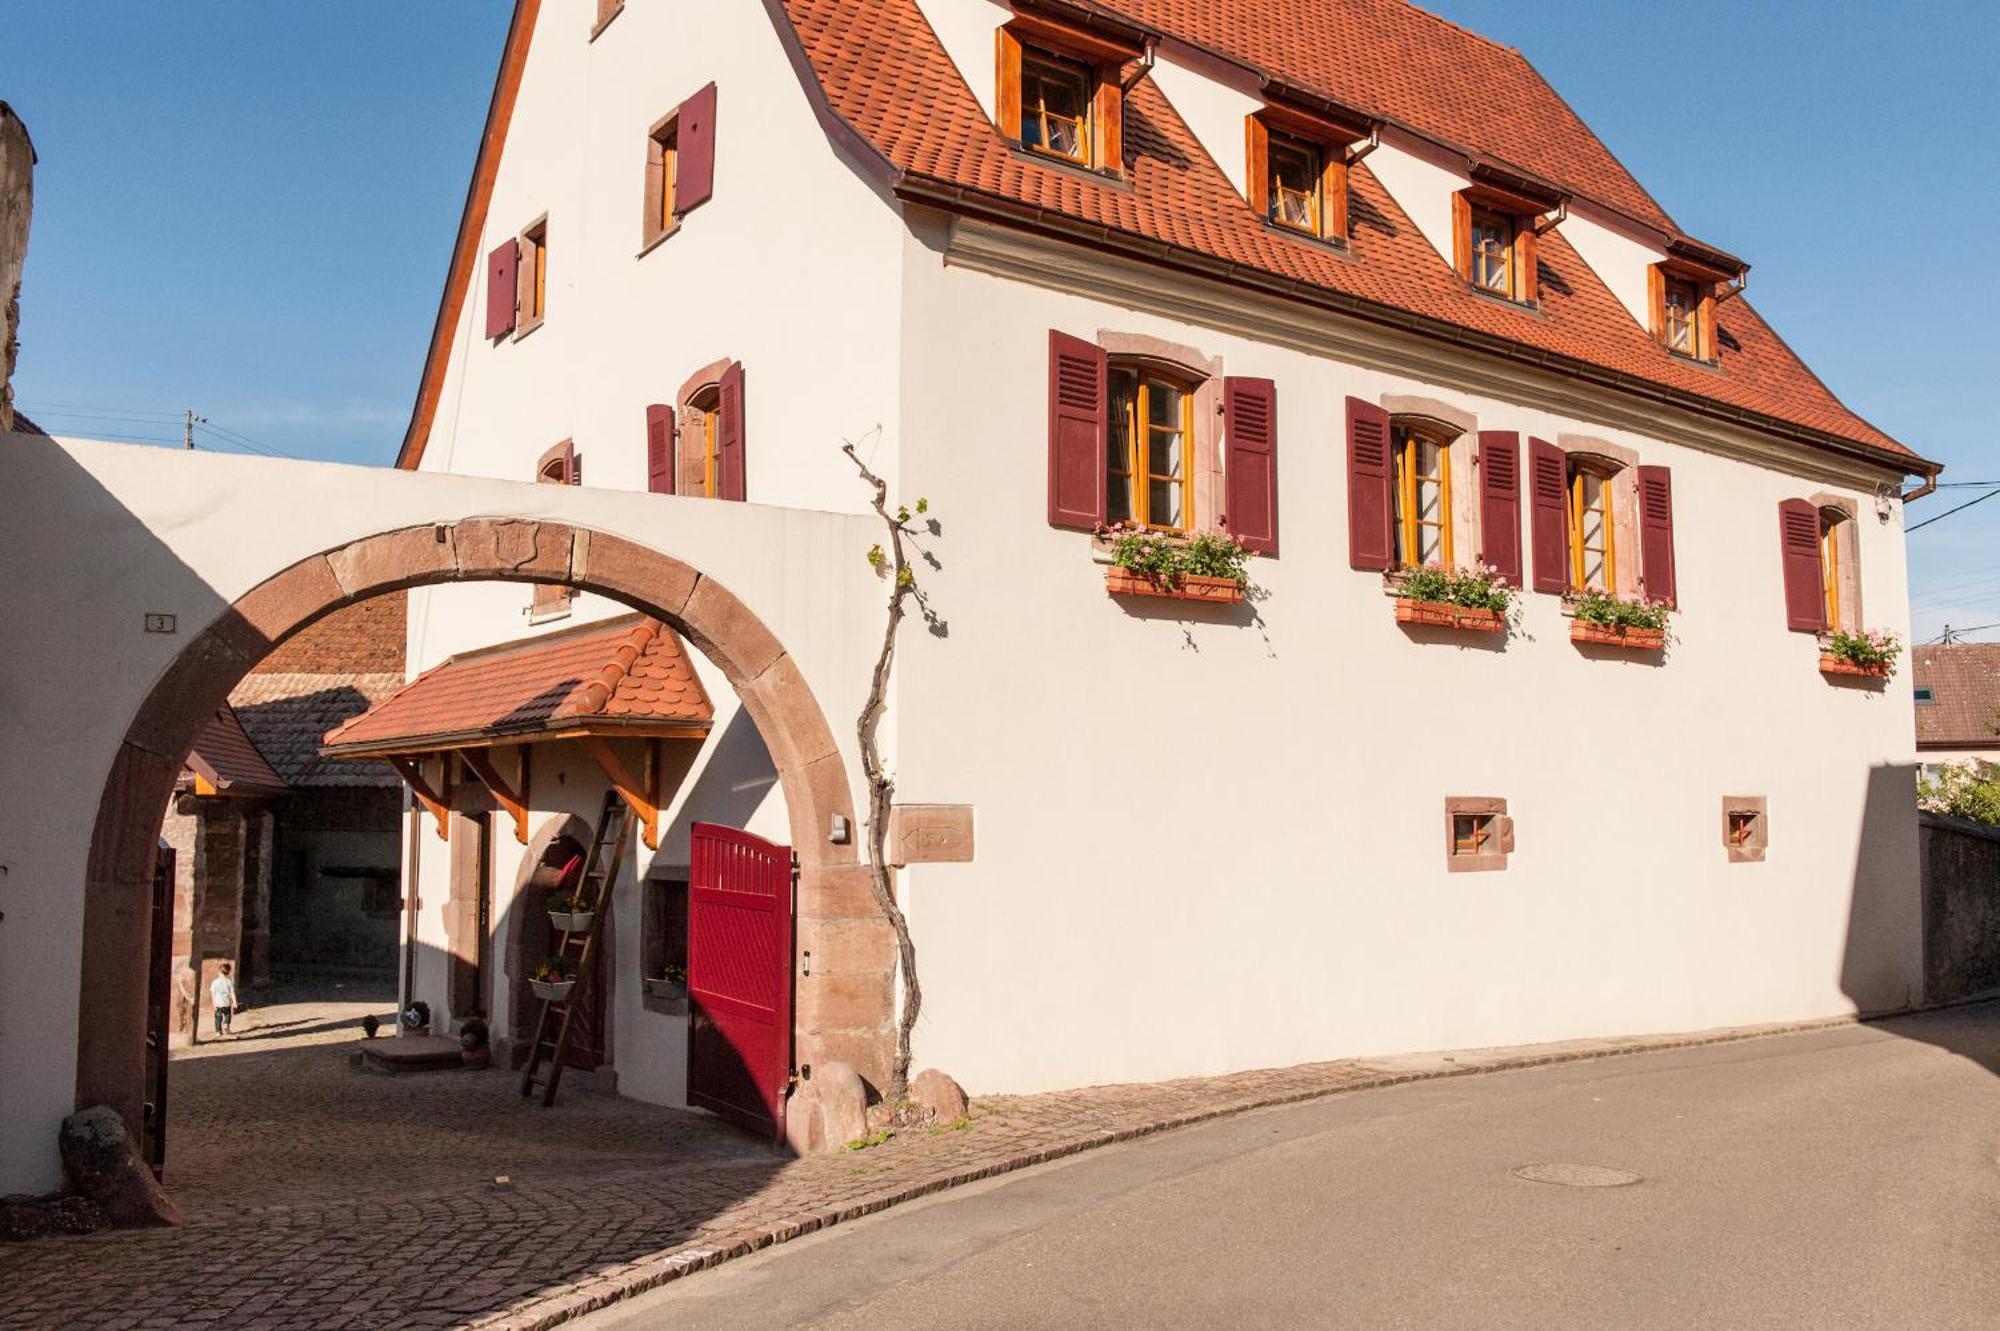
(740,976)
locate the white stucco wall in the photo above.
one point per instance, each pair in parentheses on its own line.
(1214,111)
(1207,844)
(1618,255)
(1421,179)
(117,533)
(965,29)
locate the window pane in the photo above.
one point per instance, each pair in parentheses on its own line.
(1118,498)
(1163,499)
(1294,185)
(1164,457)
(1163,403)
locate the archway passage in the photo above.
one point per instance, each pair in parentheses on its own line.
(843,1012)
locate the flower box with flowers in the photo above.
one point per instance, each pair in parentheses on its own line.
(1600,619)
(553,979)
(1206,567)
(1476,600)
(1868,654)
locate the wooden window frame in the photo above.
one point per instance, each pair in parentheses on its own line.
(1406,439)
(1489,852)
(1746,828)
(558,465)
(531,298)
(1327,142)
(1661,279)
(1100,62)
(1574,507)
(660,219)
(704,411)
(1145,372)
(1468,207)
(1840,560)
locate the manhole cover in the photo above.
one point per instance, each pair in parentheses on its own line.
(1577,1176)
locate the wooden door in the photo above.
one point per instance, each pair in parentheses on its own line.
(159,1006)
(740,976)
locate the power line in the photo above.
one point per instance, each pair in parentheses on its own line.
(1948,512)
(254,445)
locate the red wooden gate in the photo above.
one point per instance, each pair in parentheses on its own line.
(740,976)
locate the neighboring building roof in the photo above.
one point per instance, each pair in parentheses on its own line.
(225,761)
(1964,680)
(22,425)
(628,675)
(287,715)
(366,638)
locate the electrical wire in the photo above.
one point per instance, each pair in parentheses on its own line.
(1948,512)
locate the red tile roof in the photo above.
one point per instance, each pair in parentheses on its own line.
(883,72)
(625,675)
(1964,680)
(224,757)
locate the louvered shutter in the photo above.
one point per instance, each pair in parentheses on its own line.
(1250,468)
(502,265)
(660,448)
(1548,502)
(729,474)
(1656,534)
(1500,503)
(1371,512)
(1805,596)
(694,139)
(1077,432)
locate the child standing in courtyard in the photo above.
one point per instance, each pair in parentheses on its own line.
(222,993)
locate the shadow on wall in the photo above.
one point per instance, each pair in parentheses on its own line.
(1881,967)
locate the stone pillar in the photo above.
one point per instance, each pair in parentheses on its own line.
(218,917)
(256,945)
(181,831)
(17,205)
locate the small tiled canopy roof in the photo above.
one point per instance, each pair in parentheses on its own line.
(625,676)
(1964,710)
(226,762)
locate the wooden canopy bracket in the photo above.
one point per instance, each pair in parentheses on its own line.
(514,801)
(413,776)
(642,797)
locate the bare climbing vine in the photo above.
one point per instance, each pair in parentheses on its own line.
(892,563)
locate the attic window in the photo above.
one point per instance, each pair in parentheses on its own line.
(1060,93)
(1297,172)
(1923,694)
(1683,312)
(1493,244)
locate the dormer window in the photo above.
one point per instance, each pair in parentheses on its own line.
(1055,107)
(1297,169)
(1060,89)
(1494,225)
(1683,312)
(1492,242)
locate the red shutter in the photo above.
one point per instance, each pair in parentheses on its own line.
(1250,422)
(694,140)
(1798,537)
(1077,432)
(660,448)
(1500,503)
(1656,534)
(729,477)
(501,289)
(1371,510)
(1548,501)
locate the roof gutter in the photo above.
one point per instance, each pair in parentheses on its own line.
(953,197)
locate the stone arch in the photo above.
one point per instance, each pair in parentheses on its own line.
(845,1011)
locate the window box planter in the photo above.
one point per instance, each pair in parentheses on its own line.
(572,922)
(1630,637)
(1444,615)
(1831,665)
(1188,587)
(671,990)
(552,991)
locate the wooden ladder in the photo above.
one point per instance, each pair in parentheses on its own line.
(558,1019)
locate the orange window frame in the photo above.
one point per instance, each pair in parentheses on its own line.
(1130,452)
(1026,41)
(1518,252)
(1663,282)
(1330,220)
(1409,476)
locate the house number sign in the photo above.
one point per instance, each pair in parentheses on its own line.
(930,834)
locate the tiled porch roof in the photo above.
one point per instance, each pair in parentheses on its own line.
(226,761)
(625,676)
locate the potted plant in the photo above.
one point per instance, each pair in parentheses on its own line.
(570,911)
(1869,653)
(473,1049)
(553,979)
(671,983)
(1453,598)
(416,1018)
(1205,567)
(1607,621)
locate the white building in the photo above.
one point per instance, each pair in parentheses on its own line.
(1382,301)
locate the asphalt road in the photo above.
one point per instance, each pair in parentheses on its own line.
(1846,1178)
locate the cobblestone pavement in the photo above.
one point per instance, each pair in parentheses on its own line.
(320,1196)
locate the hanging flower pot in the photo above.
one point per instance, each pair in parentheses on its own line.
(1184,587)
(570,913)
(552,980)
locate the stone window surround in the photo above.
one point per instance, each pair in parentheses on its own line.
(1848,533)
(652,233)
(545,601)
(531,238)
(1459,429)
(1492,860)
(1752,850)
(690,473)
(1623,465)
(1206,373)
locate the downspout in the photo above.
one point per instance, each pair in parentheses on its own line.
(1145,67)
(414,822)
(1928,487)
(1354,155)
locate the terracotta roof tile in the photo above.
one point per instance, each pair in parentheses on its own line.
(625,672)
(225,757)
(885,73)
(286,715)
(1964,680)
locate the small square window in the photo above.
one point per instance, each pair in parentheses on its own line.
(1924,694)
(1746,831)
(664,937)
(1479,836)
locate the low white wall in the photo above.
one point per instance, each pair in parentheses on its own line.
(113,534)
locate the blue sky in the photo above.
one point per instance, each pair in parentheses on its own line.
(253,218)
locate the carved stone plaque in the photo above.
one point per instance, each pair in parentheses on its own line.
(930,834)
